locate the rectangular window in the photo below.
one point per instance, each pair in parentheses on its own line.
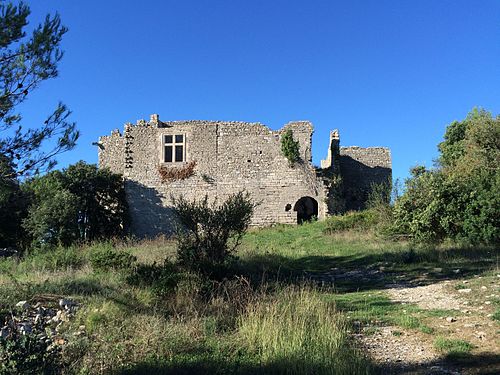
(168,154)
(174,148)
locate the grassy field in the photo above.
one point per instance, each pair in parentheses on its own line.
(299,296)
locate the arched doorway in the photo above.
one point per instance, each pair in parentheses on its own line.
(307,209)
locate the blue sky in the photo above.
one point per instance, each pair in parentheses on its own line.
(385,73)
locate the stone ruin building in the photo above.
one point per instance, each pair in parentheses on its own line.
(217,158)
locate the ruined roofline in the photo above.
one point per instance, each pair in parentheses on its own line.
(155,122)
(364,148)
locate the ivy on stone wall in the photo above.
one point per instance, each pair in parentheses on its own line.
(290,147)
(168,174)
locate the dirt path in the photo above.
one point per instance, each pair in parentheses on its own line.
(401,351)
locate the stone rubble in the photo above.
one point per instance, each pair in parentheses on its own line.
(44,320)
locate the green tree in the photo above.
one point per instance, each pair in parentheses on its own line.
(101,201)
(12,206)
(459,199)
(80,203)
(25,62)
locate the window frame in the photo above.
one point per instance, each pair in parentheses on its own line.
(164,144)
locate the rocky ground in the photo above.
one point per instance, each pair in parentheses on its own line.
(41,321)
(469,311)
(466,303)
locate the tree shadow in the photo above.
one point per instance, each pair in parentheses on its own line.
(149,217)
(372,271)
(484,363)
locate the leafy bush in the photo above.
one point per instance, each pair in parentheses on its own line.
(80,203)
(459,200)
(105,257)
(289,147)
(209,234)
(27,354)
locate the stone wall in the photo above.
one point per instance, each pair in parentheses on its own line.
(229,156)
(360,168)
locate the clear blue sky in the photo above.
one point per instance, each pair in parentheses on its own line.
(385,73)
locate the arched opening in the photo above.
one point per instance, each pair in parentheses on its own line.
(307,209)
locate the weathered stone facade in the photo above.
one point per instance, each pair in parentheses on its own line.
(230,157)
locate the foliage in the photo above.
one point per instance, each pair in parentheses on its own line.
(105,257)
(12,205)
(25,62)
(354,220)
(458,200)
(23,354)
(379,195)
(80,203)
(168,174)
(289,147)
(210,233)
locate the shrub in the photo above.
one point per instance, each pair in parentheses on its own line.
(27,354)
(106,257)
(290,147)
(209,234)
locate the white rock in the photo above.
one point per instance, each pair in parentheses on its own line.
(25,328)
(467,290)
(451,319)
(66,303)
(4,332)
(24,305)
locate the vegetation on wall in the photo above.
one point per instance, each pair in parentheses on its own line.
(169,174)
(290,147)
(459,199)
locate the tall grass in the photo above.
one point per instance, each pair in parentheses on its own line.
(296,332)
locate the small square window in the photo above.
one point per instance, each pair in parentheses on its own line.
(179,138)
(168,139)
